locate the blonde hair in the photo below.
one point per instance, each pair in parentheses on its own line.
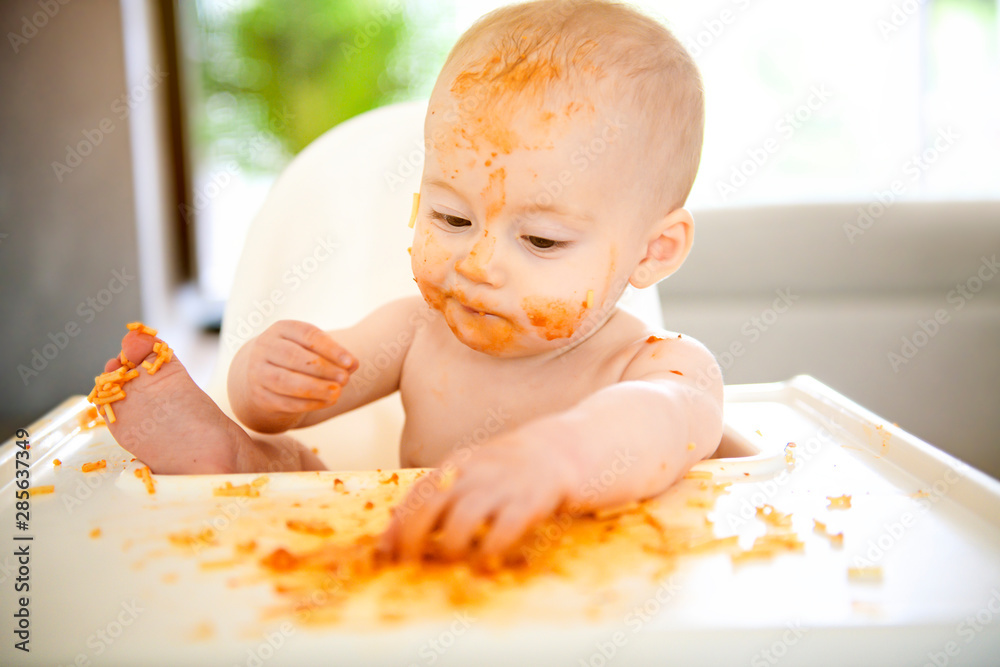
(551,45)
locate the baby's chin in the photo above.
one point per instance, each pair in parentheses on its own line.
(519,344)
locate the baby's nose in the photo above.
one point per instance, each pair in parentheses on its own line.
(481,265)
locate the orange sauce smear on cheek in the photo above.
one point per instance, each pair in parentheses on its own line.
(554,318)
(428,258)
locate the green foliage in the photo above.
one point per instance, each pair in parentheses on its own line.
(293,70)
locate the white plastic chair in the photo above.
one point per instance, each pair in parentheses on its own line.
(330,245)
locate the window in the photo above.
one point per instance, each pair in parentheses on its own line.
(805,101)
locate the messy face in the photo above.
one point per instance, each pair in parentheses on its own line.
(529,221)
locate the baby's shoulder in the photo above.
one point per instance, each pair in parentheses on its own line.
(652,352)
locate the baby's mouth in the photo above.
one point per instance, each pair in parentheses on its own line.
(474,309)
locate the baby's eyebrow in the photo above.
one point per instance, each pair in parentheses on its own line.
(534,208)
(531,208)
(437,182)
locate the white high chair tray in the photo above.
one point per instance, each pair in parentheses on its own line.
(108,587)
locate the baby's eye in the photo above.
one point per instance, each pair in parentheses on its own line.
(451,220)
(542,243)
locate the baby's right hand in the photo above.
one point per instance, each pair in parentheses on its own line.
(295,367)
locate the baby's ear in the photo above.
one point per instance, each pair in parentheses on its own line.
(666,249)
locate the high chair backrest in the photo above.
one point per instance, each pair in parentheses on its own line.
(327,247)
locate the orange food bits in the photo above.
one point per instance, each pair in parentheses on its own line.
(836,539)
(108,386)
(839,502)
(95,465)
(769,545)
(143,474)
(318,528)
(142,328)
(769,515)
(416,209)
(248,490)
(865,574)
(56,462)
(41,490)
(95,533)
(280,561)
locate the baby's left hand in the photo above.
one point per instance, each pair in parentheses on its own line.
(510,484)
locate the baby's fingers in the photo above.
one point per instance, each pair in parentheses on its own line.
(510,525)
(465,520)
(289,355)
(319,342)
(284,382)
(414,520)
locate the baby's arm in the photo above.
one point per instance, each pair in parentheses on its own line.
(294,374)
(638,430)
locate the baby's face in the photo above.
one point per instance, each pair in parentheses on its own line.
(529,225)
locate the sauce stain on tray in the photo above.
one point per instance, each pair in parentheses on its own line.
(318,555)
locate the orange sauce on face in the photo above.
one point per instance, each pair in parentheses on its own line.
(554,318)
(489,334)
(504,82)
(495,193)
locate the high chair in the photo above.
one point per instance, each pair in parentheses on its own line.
(819,534)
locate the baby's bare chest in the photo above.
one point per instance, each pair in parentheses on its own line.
(461,402)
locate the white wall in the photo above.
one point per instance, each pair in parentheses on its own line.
(65,240)
(853,304)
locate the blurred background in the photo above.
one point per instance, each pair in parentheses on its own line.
(848,203)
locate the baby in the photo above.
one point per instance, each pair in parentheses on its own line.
(562,140)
